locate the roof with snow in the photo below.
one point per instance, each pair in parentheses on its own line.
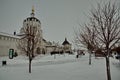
(8,35)
(65,42)
(32,19)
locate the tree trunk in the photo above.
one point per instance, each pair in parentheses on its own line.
(30,65)
(89,57)
(54,56)
(33,55)
(108,68)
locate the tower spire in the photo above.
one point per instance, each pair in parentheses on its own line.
(32,14)
(33,9)
(65,39)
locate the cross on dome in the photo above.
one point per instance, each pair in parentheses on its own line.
(33,10)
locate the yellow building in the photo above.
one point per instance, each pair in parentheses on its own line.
(8,41)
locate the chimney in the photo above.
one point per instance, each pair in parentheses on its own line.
(14,32)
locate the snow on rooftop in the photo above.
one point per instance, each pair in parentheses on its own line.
(9,35)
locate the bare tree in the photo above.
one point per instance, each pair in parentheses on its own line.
(86,38)
(105,20)
(28,42)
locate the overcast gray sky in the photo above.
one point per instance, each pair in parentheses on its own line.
(58,17)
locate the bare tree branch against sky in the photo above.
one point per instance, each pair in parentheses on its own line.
(58,17)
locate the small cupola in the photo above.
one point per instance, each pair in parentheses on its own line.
(65,42)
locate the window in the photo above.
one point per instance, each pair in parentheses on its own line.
(2,38)
(7,38)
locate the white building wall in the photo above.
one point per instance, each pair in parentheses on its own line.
(7,43)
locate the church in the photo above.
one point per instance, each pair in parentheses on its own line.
(10,41)
(67,47)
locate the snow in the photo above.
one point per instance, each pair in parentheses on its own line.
(9,35)
(63,67)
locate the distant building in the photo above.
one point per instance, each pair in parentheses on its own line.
(67,47)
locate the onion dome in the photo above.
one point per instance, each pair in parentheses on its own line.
(32,18)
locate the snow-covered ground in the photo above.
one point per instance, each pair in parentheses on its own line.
(63,67)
